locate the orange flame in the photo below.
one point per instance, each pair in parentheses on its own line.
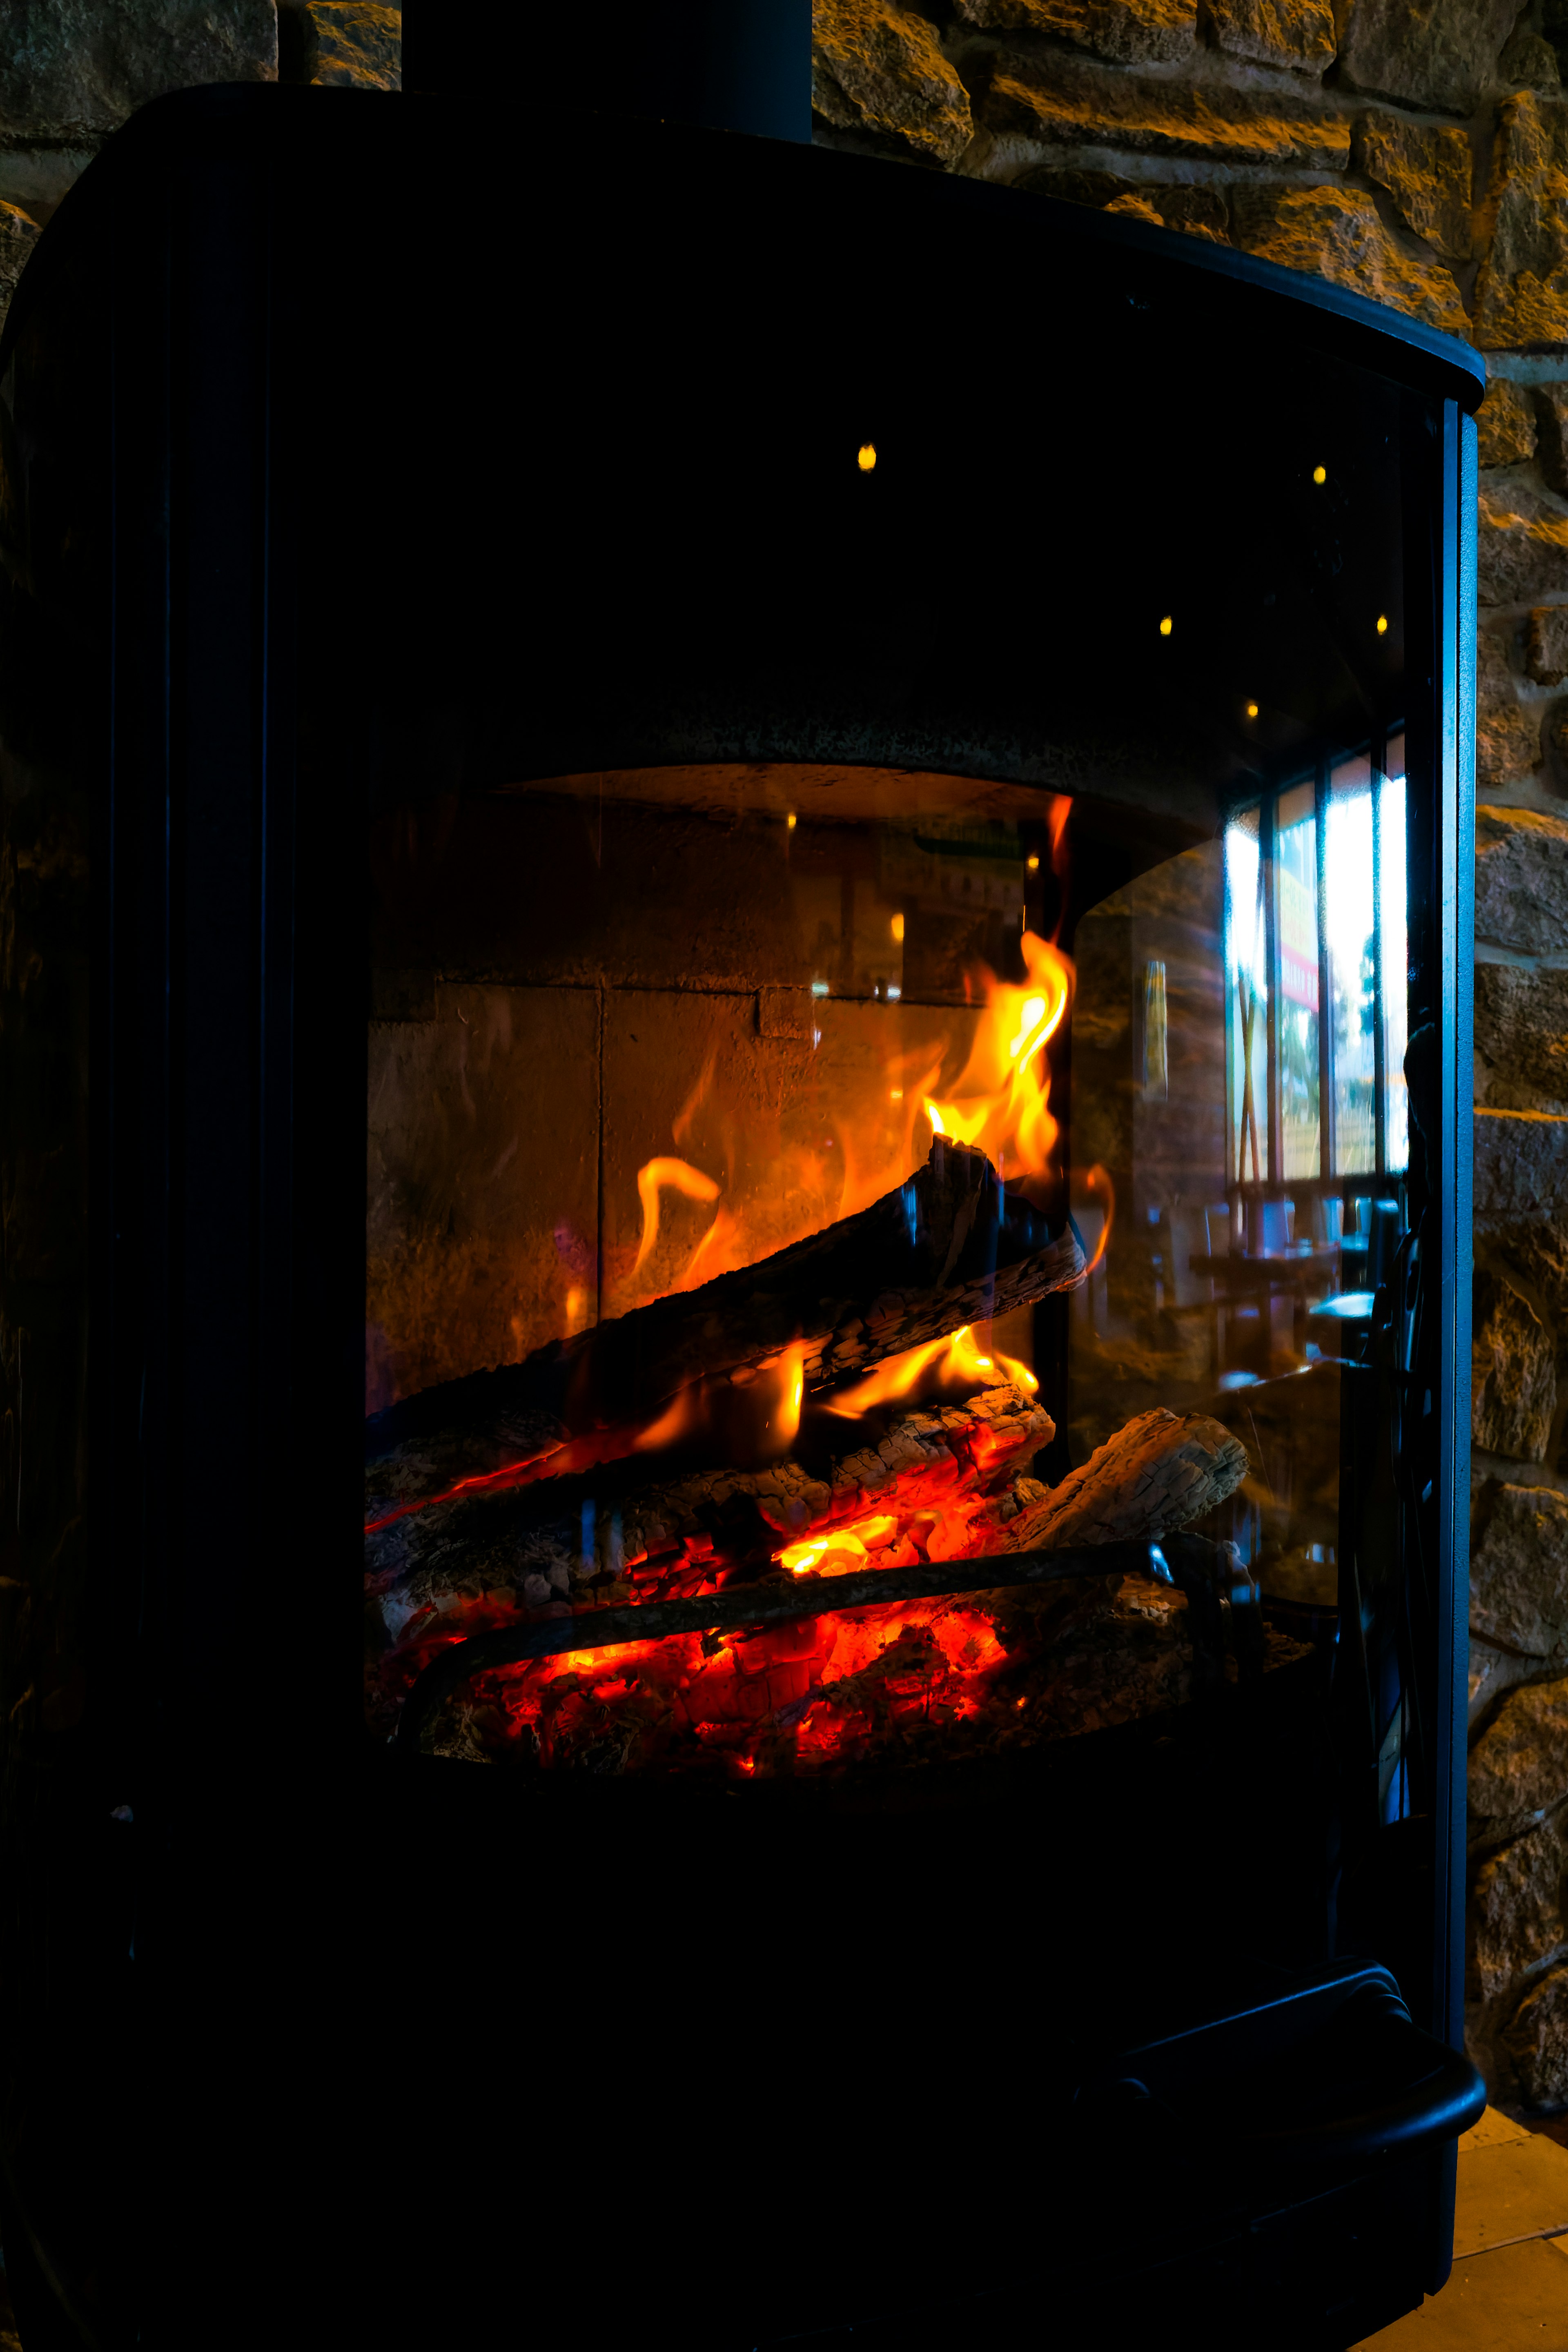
(651,1179)
(955,1363)
(770,1397)
(1098,1182)
(1002,1100)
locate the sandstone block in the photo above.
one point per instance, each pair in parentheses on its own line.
(1522,545)
(1528,62)
(1552,415)
(1438,55)
(1519,1766)
(1335,233)
(1129,32)
(76,68)
(18,235)
(1521,293)
(1427,172)
(1554,746)
(1506,737)
(1536,2041)
(1519,1571)
(1522,880)
(1516,1909)
(1133,206)
(879,69)
(1538,1253)
(1513,1374)
(1493,1672)
(355,44)
(1521,1037)
(1546,643)
(1520,1164)
(1505,425)
(1067,99)
(1297,33)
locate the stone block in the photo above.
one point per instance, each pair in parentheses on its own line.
(1067,101)
(1522,880)
(1129,32)
(1546,645)
(1521,293)
(1520,1165)
(1522,1037)
(1505,425)
(352,44)
(879,69)
(1336,233)
(1426,170)
(1295,33)
(1528,62)
(1513,1374)
(1519,1571)
(1507,739)
(18,235)
(1551,447)
(1516,1909)
(1519,1766)
(1440,55)
(1538,1255)
(1521,544)
(1536,2041)
(76,68)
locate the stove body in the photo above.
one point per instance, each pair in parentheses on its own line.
(748,595)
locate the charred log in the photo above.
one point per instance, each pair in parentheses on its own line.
(1162,1471)
(949,1249)
(489,1556)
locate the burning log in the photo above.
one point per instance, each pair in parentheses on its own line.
(939,1480)
(949,1249)
(1161,1473)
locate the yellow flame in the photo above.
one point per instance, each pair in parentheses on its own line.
(953,1362)
(1000,1100)
(651,1180)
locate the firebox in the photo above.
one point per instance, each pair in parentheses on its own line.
(758,881)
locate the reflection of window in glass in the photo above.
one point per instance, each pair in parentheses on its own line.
(1352,996)
(1391,923)
(1296,851)
(1156,1074)
(1315,887)
(1246,999)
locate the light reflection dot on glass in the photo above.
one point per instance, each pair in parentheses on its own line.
(1033,863)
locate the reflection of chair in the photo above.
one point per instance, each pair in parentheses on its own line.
(1260,1294)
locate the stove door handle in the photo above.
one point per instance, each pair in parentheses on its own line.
(1394,2089)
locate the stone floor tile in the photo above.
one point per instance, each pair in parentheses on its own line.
(1515,2190)
(1514,2299)
(1494,2130)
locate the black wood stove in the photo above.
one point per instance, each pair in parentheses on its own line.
(858,786)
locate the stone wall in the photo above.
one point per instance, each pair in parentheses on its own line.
(1416,151)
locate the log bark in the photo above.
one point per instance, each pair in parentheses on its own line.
(521,1548)
(1161,1473)
(951,1247)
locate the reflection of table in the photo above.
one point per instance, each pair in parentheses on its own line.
(1238,1275)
